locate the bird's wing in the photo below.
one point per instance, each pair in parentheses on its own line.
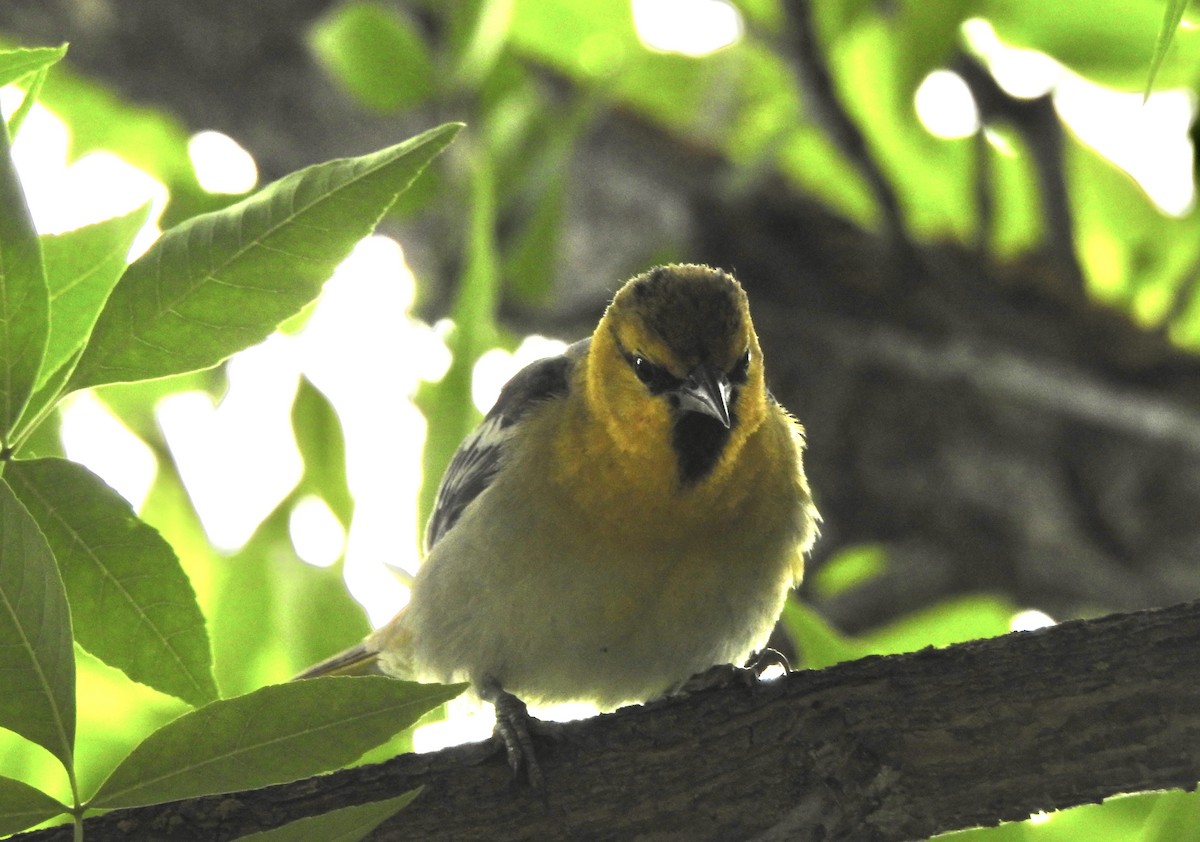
(479,457)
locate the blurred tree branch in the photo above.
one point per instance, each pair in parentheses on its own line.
(1036,121)
(813,73)
(877,750)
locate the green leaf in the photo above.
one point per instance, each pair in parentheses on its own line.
(953,621)
(1106,41)
(1175,816)
(279,733)
(927,36)
(819,644)
(477,34)
(969,617)
(376,54)
(1120,819)
(847,570)
(24,299)
(132,605)
(274,614)
(82,266)
(530,265)
(36,658)
(347,824)
(37,409)
(23,806)
(1172,15)
(17,63)
(35,62)
(31,96)
(222,281)
(322,446)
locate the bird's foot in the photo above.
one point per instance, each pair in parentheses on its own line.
(514,730)
(765,658)
(725,675)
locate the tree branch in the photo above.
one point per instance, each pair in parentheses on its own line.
(876,750)
(1038,123)
(821,97)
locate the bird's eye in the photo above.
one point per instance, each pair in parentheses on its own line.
(740,369)
(643,368)
(657,378)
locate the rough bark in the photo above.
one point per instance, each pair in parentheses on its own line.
(877,750)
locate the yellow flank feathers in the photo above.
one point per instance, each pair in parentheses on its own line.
(628,515)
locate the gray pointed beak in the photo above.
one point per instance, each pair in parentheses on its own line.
(706,391)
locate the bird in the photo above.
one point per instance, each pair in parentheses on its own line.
(629,515)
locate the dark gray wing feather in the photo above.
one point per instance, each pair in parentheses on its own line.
(479,457)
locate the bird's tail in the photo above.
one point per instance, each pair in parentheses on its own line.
(357,660)
(386,651)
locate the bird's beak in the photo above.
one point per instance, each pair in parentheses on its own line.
(706,391)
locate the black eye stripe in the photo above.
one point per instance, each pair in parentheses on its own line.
(741,368)
(656,378)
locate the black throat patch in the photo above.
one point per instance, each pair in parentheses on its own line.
(698,442)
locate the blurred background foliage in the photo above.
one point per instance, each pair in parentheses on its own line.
(987,322)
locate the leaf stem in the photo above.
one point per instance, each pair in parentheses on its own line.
(78,808)
(26,430)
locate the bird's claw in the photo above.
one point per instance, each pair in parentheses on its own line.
(725,675)
(765,658)
(513,731)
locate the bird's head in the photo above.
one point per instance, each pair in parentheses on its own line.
(675,363)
